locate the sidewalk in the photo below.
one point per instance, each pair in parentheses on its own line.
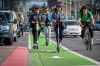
(48,56)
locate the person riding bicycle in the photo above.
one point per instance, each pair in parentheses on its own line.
(86,19)
(58,17)
(34,20)
(46,19)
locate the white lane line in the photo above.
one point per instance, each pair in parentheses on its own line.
(84,57)
(29,42)
(56,57)
(75,53)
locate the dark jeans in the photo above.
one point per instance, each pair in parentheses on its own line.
(59,33)
(90,26)
(36,34)
(21,31)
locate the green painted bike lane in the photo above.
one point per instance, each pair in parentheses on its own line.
(48,56)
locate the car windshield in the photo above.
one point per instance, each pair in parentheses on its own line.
(3,19)
(69,17)
(6,15)
(72,23)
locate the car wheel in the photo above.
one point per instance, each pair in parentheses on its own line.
(15,39)
(8,41)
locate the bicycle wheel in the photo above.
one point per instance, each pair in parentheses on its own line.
(47,42)
(89,43)
(88,40)
(58,42)
(90,46)
(46,32)
(58,48)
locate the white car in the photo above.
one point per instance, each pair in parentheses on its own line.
(8,26)
(72,28)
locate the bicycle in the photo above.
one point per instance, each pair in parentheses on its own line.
(46,30)
(58,42)
(87,38)
(58,37)
(37,33)
(41,28)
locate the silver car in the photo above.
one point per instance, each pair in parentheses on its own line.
(72,28)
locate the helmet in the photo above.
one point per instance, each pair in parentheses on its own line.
(59,4)
(35,6)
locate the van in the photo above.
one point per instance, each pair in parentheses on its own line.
(8,27)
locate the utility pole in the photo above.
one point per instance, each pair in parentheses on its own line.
(70,7)
(2,4)
(80,3)
(75,8)
(66,3)
(90,2)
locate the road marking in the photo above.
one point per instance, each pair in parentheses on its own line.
(75,53)
(48,50)
(70,51)
(56,57)
(29,42)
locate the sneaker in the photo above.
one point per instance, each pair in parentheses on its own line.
(46,43)
(60,44)
(37,42)
(35,46)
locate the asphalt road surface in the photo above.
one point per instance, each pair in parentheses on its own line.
(74,44)
(77,45)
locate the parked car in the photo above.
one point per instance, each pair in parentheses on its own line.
(72,28)
(8,27)
(97,26)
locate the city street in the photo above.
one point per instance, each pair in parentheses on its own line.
(76,44)
(7,51)
(73,44)
(47,32)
